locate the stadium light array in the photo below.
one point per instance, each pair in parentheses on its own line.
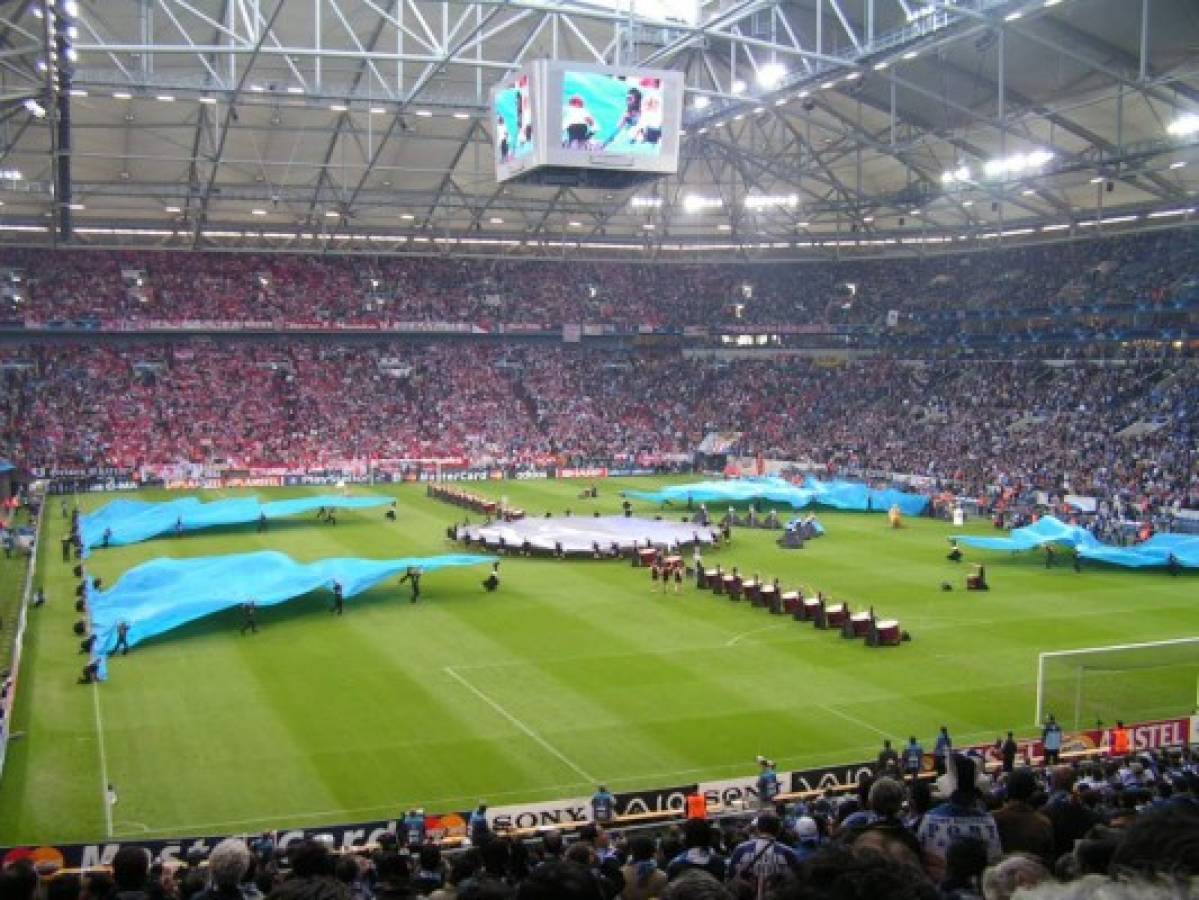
(771,74)
(701,102)
(646,202)
(36,109)
(766,201)
(961,173)
(694,203)
(11,175)
(1184,126)
(1016,164)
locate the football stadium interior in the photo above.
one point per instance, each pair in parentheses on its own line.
(592,449)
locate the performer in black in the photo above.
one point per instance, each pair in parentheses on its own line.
(107,539)
(413,575)
(955,552)
(492,581)
(91,673)
(339,600)
(261,522)
(248,622)
(122,639)
(66,548)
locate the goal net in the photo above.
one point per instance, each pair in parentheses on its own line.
(1123,681)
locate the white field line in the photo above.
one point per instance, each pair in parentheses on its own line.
(104,782)
(546,745)
(854,720)
(735,639)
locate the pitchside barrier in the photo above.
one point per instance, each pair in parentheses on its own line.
(731,798)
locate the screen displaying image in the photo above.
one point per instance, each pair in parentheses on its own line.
(514,121)
(611,113)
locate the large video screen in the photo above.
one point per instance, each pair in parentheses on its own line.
(608,117)
(554,118)
(514,121)
(517,126)
(611,113)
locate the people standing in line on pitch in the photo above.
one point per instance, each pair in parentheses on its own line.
(122,639)
(941,750)
(339,599)
(248,621)
(678,578)
(179,526)
(413,576)
(261,522)
(603,806)
(1051,740)
(768,783)
(1049,556)
(492,581)
(1076,559)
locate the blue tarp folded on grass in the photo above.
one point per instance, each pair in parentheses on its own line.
(1047,530)
(133,521)
(837,494)
(166,593)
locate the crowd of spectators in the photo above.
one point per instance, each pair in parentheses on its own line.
(1121,827)
(1145,285)
(1126,433)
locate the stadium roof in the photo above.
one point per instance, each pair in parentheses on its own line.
(343,124)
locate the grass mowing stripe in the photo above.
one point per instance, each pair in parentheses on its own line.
(519,724)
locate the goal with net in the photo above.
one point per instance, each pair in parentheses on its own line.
(1123,681)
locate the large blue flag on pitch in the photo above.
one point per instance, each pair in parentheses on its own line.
(1047,530)
(133,521)
(166,593)
(836,494)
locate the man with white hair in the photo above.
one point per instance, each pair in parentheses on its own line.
(227,867)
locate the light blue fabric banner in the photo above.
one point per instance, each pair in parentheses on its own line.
(166,593)
(836,494)
(133,521)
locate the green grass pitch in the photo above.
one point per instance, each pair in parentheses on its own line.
(572,673)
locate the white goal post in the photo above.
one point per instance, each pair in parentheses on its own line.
(1080,687)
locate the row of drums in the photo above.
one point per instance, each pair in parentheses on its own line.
(802,609)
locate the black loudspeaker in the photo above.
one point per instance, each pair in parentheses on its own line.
(902,221)
(1110,186)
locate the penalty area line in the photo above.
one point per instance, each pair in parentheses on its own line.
(854,719)
(546,745)
(103,760)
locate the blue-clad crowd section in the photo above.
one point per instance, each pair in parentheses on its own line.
(1156,551)
(166,593)
(133,521)
(836,494)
